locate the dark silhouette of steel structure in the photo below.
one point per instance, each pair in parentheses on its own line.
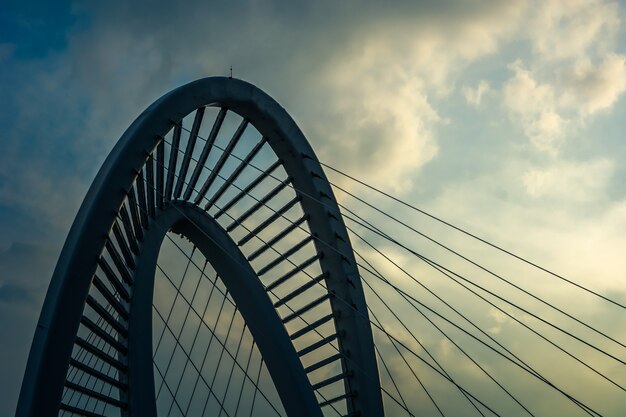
(210,271)
(102,287)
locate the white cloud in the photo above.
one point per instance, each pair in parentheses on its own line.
(563,30)
(473,96)
(381,91)
(553,107)
(576,182)
(535,106)
(574,72)
(589,88)
(387,129)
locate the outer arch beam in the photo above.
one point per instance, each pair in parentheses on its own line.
(51,349)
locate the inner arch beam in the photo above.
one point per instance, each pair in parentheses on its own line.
(283,364)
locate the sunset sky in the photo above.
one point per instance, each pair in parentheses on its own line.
(506,118)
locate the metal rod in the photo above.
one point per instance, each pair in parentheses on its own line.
(128,229)
(330,380)
(171,170)
(221,161)
(97,374)
(282,257)
(118,262)
(260,203)
(95,394)
(208,145)
(237,171)
(311,326)
(294,271)
(277,214)
(134,213)
(99,331)
(317,345)
(102,312)
(277,238)
(141,199)
(306,307)
(335,399)
(100,354)
(191,143)
(117,284)
(123,244)
(246,190)
(323,363)
(78,411)
(197,332)
(150,182)
(159,172)
(108,295)
(300,290)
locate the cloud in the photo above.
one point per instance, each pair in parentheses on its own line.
(405,55)
(553,92)
(383,122)
(6,50)
(473,96)
(575,30)
(535,106)
(552,110)
(24,272)
(38,195)
(589,88)
(568,181)
(22,266)
(560,215)
(380,90)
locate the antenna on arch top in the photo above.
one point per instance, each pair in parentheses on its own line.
(231,72)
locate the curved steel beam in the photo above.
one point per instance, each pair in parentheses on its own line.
(283,364)
(51,349)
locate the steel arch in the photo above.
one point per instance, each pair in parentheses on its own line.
(68,291)
(248,293)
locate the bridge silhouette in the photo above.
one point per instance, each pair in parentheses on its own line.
(217,267)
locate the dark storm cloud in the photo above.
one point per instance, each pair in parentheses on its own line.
(25,270)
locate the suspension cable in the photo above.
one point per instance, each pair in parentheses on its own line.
(501,278)
(493,245)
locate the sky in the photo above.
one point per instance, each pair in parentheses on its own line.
(504,117)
